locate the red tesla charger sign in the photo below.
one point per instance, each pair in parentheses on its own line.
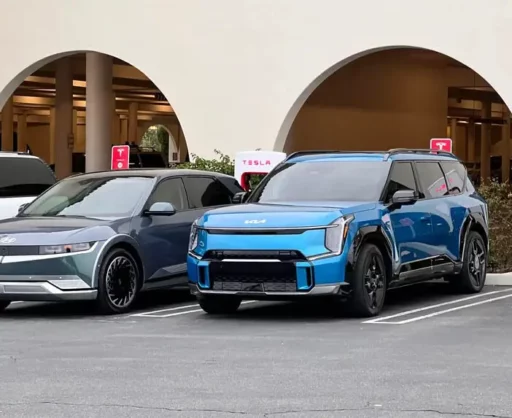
(441,144)
(120,159)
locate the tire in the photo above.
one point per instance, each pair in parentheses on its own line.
(471,279)
(368,283)
(219,305)
(4,304)
(119,282)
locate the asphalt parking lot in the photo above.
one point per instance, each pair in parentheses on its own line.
(430,354)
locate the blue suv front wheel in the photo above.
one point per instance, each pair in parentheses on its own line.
(368,282)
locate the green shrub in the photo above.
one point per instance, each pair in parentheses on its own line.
(499,199)
(222,164)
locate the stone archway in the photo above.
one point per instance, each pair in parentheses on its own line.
(401,97)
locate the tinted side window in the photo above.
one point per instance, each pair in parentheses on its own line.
(455,174)
(21,176)
(206,191)
(231,184)
(431,179)
(171,191)
(401,178)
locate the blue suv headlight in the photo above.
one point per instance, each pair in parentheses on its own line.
(192,242)
(336,233)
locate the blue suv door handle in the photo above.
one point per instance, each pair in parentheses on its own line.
(425,219)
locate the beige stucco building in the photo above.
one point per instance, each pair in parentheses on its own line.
(243,74)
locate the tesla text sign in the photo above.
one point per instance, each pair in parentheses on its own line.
(441,144)
(120,157)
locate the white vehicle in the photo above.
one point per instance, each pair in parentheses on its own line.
(23,177)
(255,163)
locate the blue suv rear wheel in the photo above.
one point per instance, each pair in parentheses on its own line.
(471,279)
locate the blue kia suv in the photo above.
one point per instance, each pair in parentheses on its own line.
(343,225)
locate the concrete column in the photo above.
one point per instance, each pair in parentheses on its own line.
(22,132)
(98,128)
(124,131)
(63,146)
(485,146)
(51,154)
(132,122)
(7,125)
(116,125)
(75,128)
(453,136)
(505,149)
(471,141)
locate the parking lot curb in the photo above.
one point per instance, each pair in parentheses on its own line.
(499,279)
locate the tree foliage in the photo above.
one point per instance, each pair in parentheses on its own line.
(156,137)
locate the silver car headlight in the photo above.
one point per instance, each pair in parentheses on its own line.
(192,241)
(65,248)
(336,234)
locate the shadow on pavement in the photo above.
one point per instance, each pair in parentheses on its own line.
(397,300)
(75,310)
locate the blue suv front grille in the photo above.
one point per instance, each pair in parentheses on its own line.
(248,255)
(247,276)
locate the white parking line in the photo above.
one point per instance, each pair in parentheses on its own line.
(155,314)
(176,308)
(384,320)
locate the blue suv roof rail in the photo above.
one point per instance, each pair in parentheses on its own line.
(387,154)
(319,152)
(418,151)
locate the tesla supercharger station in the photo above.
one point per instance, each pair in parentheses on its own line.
(250,163)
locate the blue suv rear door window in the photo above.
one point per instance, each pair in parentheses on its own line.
(431,178)
(455,174)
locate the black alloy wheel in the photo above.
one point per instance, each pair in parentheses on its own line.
(368,283)
(374,283)
(477,262)
(119,282)
(471,279)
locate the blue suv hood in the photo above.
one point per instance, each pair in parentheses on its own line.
(291,214)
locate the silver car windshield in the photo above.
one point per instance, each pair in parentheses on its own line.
(91,197)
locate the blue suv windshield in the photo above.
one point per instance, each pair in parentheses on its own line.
(323,181)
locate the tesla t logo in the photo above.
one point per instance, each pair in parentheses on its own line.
(255,221)
(5,239)
(441,144)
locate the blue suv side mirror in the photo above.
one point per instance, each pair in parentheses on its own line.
(160,209)
(404,197)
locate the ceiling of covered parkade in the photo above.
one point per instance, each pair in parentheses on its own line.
(399,98)
(35,97)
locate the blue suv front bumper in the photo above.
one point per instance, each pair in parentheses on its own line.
(266,274)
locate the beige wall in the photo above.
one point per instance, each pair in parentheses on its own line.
(380,101)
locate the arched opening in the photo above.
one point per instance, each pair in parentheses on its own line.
(166,139)
(48,111)
(402,98)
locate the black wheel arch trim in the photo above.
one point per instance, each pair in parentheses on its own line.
(363,235)
(118,241)
(473,221)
